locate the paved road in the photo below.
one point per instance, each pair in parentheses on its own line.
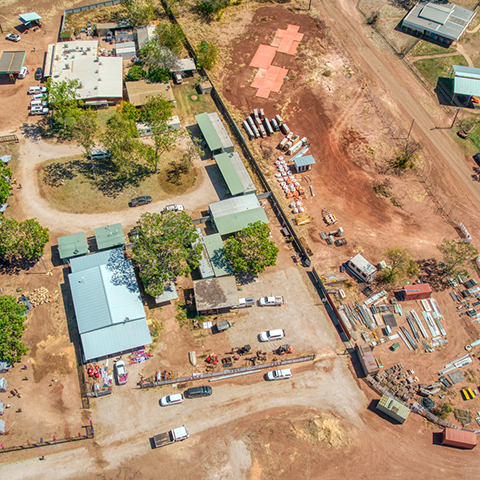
(401,94)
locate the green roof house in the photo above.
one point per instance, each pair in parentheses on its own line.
(110,236)
(72,246)
(235,174)
(214,133)
(393,408)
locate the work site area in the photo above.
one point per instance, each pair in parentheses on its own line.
(239,239)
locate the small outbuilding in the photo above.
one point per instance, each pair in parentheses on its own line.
(459,438)
(303,164)
(418,291)
(362,268)
(367,360)
(214,133)
(11,62)
(235,174)
(110,236)
(124,35)
(216,253)
(3,384)
(145,33)
(184,65)
(30,19)
(205,87)
(466,81)
(169,294)
(215,294)
(393,408)
(72,246)
(125,50)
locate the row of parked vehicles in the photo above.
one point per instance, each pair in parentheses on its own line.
(39,103)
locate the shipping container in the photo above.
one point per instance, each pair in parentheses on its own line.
(268,127)
(283,143)
(285,129)
(459,438)
(415,292)
(262,114)
(279,120)
(275,126)
(247,128)
(255,113)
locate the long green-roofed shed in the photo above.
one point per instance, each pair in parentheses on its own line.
(72,246)
(12,62)
(229,174)
(110,236)
(216,252)
(209,133)
(233,214)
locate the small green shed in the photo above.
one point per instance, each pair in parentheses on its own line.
(72,246)
(393,408)
(110,236)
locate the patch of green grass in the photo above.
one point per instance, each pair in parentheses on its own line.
(104,114)
(474,134)
(185,107)
(426,48)
(433,68)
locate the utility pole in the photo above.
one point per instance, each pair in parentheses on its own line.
(410,131)
(455,118)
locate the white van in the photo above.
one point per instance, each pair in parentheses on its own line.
(38,89)
(279,374)
(38,103)
(99,154)
(39,96)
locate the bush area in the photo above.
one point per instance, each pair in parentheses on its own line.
(426,48)
(433,68)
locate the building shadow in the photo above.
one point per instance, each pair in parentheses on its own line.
(196,136)
(55,256)
(357,366)
(373,408)
(437,438)
(217,181)
(444,91)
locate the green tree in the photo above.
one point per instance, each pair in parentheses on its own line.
(64,98)
(163,249)
(206,54)
(456,255)
(136,72)
(85,130)
(251,250)
(22,239)
(12,326)
(120,139)
(128,111)
(139,12)
(5,176)
(156,112)
(157,57)
(170,35)
(401,263)
(211,8)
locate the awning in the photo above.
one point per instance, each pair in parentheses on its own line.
(29,17)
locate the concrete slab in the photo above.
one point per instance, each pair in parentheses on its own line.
(288,40)
(263,56)
(269,80)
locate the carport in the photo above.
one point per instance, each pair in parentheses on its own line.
(11,62)
(30,19)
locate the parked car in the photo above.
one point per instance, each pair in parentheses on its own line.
(174,208)
(14,37)
(23,72)
(38,110)
(271,301)
(171,399)
(39,73)
(122,374)
(39,96)
(37,89)
(194,392)
(476,157)
(144,200)
(279,374)
(271,335)
(462,134)
(245,302)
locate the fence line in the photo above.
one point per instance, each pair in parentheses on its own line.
(231,371)
(89,433)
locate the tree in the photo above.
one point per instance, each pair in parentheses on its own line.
(22,239)
(212,7)
(401,264)
(157,57)
(163,249)
(251,251)
(157,112)
(136,72)
(85,129)
(207,54)
(170,35)
(64,98)
(12,317)
(5,176)
(407,157)
(120,139)
(139,13)
(456,255)
(128,111)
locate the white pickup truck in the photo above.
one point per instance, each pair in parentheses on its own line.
(176,435)
(271,301)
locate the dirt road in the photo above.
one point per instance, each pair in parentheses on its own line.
(405,99)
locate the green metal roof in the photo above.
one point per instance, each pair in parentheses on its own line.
(72,245)
(229,173)
(215,249)
(208,131)
(12,61)
(108,306)
(393,408)
(110,236)
(236,221)
(169,293)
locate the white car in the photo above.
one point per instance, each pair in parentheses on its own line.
(14,37)
(174,208)
(23,72)
(171,399)
(273,301)
(271,335)
(39,96)
(38,110)
(279,374)
(36,90)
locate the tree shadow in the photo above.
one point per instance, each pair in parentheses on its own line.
(476,175)
(245,278)
(31,131)
(122,271)
(16,265)
(219,260)
(55,174)
(432,273)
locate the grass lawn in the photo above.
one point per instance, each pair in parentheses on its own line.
(10,148)
(104,114)
(426,48)
(68,185)
(189,102)
(474,134)
(433,68)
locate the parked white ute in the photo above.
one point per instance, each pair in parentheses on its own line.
(171,399)
(271,335)
(38,110)
(279,374)
(271,301)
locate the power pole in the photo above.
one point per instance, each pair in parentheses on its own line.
(410,131)
(455,118)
